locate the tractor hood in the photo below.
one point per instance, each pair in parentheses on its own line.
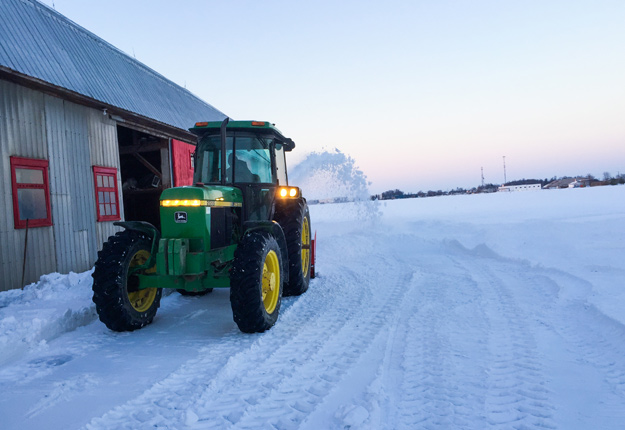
(188,212)
(210,196)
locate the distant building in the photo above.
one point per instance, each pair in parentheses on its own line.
(580,183)
(568,183)
(88,136)
(526,187)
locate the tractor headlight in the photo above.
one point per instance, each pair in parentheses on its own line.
(184,203)
(288,192)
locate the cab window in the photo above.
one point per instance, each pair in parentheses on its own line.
(248,160)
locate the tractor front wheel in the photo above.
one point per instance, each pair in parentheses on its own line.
(121,305)
(256,282)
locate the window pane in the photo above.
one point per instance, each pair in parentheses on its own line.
(29,176)
(99,180)
(32,204)
(107,198)
(100,197)
(280,165)
(208,161)
(114,209)
(108,209)
(112,197)
(252,166)
(102,209)
(109,181)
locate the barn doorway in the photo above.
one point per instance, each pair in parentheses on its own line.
(145,173)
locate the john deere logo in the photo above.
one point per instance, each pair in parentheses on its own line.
(180,216)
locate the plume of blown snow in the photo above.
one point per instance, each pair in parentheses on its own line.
(332,176)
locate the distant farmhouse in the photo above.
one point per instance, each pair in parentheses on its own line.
(88,136)
(568,183)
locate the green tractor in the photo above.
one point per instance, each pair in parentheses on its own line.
(240,226)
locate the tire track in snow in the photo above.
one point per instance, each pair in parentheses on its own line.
(469,354)
(440,378)
(516,391)
(600,341)
(339,344)
(592,336)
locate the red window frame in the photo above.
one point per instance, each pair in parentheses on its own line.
(106,196)
(30,164)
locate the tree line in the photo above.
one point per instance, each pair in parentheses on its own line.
(608,179)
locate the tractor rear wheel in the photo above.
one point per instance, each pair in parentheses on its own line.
(294,218)
(256,282)
(121,305)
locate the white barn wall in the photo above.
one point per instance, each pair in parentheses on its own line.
(22,134)
(71,184)
(72,138)
(104,151)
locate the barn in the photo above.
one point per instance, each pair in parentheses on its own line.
(88,136)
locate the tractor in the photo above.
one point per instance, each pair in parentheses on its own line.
(239,226)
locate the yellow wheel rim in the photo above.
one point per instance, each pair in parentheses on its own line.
(271,281)
(305,247)
(142,300)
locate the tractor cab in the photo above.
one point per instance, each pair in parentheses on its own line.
(253,153)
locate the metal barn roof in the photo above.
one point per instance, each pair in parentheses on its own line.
(37,41)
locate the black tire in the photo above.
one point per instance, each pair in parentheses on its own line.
(294,218)
(120,305)
(255,295)
(195,293)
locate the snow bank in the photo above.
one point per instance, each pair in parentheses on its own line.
(44,310)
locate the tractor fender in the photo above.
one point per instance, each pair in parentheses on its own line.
(275,230)
(147,229)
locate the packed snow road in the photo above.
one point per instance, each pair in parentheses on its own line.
(464,312)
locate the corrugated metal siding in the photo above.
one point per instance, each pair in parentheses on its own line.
(72,138)
(104,152)
(70,184)
(39,42)
(23,134)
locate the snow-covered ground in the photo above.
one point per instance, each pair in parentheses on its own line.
(503,311)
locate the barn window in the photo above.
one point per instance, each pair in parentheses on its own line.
(106,196)
(31,192)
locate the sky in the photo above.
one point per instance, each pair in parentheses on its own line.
(423,95)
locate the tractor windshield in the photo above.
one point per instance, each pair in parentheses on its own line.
(248,159)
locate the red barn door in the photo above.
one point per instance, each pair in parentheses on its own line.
(182,154)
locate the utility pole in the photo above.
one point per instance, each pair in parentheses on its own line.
(504,170)
(482,177)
